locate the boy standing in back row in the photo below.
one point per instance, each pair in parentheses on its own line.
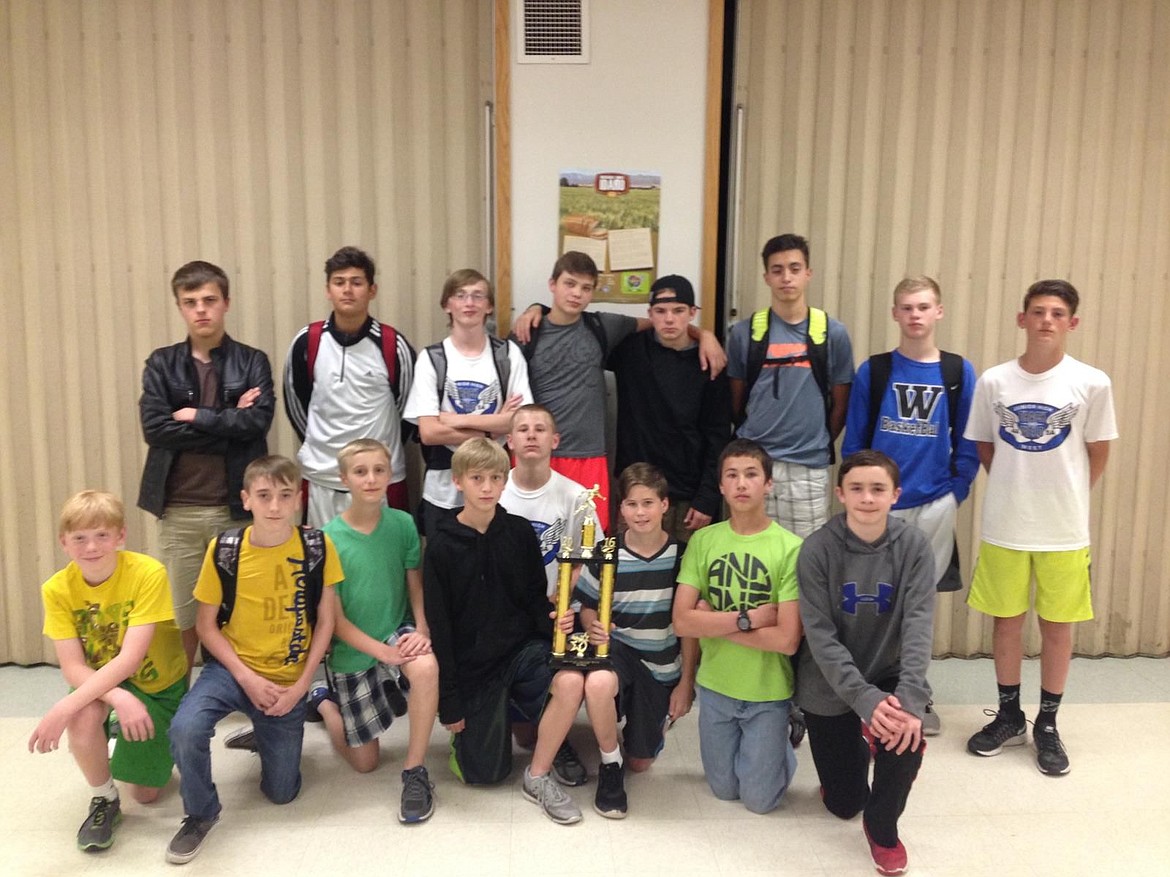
(347,378)
(206,406)
(1042,424)
(912,404)
(790,368)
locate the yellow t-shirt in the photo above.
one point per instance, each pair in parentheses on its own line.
(269,628)
(137,593)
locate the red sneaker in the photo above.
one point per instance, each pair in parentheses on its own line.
(887,860)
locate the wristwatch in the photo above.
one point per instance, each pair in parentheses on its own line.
(743,622)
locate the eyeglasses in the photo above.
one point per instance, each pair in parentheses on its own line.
(469,296)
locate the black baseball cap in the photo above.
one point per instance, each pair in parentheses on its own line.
(672,288)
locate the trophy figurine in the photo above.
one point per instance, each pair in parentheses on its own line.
(573,651)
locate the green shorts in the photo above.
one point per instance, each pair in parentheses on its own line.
(149,762)
(1003,581)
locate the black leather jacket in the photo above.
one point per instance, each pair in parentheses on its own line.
(170,382)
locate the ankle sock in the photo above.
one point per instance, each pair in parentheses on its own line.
(614,757)
(1049,704)
(106,790)
(1009,701)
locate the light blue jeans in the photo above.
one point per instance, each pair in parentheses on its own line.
(745,749)
(278,741)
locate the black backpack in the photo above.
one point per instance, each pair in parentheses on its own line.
(881,365)
(592,323)
(227,564)
(438,457)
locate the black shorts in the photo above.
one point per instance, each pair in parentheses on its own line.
(642,699)
(482,752)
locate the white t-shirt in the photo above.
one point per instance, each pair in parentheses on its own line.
(548,509)
(1038,487)
(471,387)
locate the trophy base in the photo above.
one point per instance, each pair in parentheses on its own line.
(583,664)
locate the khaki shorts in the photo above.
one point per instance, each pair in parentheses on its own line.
(1003,581)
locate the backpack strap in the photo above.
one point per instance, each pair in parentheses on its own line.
(881,366)
(757,348)
(313,546)
(592,322)
(437,457)
(227,564)
(315,330)
(951,365)
(389,344)
(390,356)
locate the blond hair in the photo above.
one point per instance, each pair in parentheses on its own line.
(277,469)
(917,283)
(91,508)
(479,455)
(360,446)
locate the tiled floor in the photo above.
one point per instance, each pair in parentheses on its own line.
(966,816)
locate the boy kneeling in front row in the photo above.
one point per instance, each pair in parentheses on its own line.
(256,666)
(867,603)
(651,681)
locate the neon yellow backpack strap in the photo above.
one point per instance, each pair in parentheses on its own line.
(818,325)
(760,325)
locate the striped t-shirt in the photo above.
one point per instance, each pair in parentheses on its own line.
(643,594)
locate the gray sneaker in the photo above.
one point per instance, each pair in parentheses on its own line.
(931,723)
(553,800)
(188,840)
(97,832)
(418,796)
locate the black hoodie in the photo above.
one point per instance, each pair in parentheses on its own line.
(485,597)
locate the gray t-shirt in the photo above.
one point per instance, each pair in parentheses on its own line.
(785,408)
(567,376)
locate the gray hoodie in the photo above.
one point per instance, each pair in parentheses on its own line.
(868,615)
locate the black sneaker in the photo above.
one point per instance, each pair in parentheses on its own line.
(241,738)
(313,699)
(796,726)
(188,840)
(610,800)
(999,732)
(567,767)
(395,697)
(97,832)
(1051,756)
(418,799)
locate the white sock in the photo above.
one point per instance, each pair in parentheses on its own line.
(614,757)
(106,790)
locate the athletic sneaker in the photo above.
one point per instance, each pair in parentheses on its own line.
(241,738)
(796,726)
(418,799)
(188,840)
(97,832)
(931,723)
(395,697)
(318,693)
(553,800)
(610,800)
(887,860)
(999,732)
(1051,756)
(567,767)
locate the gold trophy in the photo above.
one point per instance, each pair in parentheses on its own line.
(573,651)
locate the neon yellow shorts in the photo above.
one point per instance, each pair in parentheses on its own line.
(1003,582)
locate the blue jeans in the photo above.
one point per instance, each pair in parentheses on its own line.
(278,741)
(745,749)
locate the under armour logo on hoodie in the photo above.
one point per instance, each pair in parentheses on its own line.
(883,600)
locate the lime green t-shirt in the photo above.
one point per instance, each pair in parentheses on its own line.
(733,572)
(373,595)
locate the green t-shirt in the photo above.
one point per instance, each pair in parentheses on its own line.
(373,594)
(734,572)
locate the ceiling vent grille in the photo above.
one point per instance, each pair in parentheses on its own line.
(553,32)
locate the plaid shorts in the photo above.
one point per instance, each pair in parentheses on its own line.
(362,698)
